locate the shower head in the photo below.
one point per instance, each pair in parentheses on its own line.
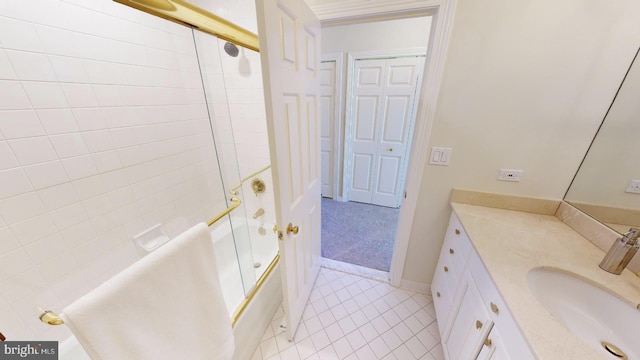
(231,49)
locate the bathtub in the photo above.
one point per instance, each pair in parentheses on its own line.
(71,349)
(263,250)
(250,327)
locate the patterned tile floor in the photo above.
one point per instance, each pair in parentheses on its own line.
(355,318)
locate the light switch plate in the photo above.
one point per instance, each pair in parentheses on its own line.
(440,156)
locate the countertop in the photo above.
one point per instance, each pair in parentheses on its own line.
(510,243)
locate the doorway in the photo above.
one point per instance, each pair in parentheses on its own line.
(371,96)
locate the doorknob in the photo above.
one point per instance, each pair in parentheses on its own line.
(292,229)
(390,149)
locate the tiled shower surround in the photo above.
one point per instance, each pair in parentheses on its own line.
(104,132)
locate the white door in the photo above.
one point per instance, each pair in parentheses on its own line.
(328,122)
(384,99)
(289,36)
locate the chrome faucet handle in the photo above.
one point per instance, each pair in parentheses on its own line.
(631,237)
(621,252)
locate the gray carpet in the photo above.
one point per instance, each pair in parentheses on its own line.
(360,234)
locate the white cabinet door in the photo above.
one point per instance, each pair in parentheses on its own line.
(442,298)
(470,324)
(290,52)
(493,347)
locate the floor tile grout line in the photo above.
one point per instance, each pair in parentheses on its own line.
(422,300)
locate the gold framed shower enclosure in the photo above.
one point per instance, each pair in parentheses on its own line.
(182,12)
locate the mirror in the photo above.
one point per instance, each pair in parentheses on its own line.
(607,184)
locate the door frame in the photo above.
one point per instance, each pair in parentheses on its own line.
(443,11)
(352,57)
(439,38)
(338,138)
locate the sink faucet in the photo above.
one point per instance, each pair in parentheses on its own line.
(621,252)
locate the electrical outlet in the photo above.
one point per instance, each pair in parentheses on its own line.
(634,187)
(510,175)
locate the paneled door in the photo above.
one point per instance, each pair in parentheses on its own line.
(328,122)
(382,116)
(289,34)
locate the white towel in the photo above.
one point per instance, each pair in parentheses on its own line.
(167,305)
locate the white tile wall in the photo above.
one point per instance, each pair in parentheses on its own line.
(104,132)
(20,123)
(13,96)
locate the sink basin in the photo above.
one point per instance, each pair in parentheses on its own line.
(596,316)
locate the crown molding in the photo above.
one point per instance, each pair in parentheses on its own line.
(348,11)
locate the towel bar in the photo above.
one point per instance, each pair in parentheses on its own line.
(235,202)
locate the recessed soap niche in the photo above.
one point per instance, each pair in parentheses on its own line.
(150,239)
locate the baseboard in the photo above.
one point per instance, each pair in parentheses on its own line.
(416,286)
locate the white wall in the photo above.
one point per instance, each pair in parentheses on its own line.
(103,133)
(377,35)
(525,86)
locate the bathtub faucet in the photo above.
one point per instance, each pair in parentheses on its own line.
(258,213)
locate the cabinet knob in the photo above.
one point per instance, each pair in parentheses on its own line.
(446,269)
(451,251)
(457,232)
(438,293)
(495,308)
(488,342)
(478,324)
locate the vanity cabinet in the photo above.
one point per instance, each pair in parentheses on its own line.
(470,324)
(473,320)
(493,347)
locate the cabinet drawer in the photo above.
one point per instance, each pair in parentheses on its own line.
(510,333)
(450,264)
(455,248)
(442,300)
(457,240)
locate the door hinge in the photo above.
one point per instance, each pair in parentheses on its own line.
(275,230)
